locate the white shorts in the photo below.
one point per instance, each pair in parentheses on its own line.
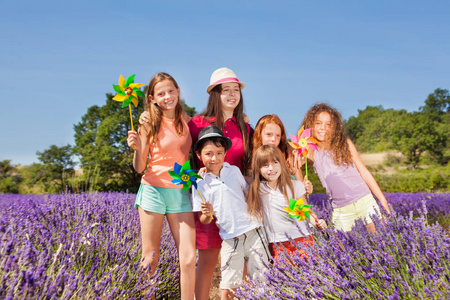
(344,217)
(251,248)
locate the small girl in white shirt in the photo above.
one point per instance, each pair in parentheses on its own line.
(269,194)
(223,189)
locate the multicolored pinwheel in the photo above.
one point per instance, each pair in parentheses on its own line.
(186,176)
(298,209)
(302,142)
(128,92)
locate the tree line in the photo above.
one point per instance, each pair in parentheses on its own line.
(105,160)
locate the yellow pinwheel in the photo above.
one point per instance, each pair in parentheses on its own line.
(127,93)
(298,209)
(302,143)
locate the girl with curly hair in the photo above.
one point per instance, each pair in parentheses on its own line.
(348,183)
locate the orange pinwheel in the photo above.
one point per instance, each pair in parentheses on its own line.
(303,141)
(298,209)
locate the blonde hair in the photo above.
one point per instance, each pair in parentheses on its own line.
(263,155)
(338,143)
(154,124)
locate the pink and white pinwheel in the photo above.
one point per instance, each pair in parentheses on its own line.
(303,141)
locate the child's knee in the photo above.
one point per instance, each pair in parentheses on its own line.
(188,260)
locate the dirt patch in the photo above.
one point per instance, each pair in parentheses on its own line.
(373,159)
(214,293)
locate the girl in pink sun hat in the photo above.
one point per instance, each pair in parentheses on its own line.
(224,110)
(223,75)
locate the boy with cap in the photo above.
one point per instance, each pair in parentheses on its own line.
(223,188)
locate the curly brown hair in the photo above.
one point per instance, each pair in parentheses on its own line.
(257,134)
(338,143)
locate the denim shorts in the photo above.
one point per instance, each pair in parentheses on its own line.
(163,200)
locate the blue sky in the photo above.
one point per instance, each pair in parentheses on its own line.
(58,57)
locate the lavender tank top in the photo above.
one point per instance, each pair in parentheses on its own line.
(344,184)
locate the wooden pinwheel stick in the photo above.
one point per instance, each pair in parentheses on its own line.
(205,202)
(306,173)
(131,117)
(132,128)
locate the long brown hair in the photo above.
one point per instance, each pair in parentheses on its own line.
(338,143)
(155,111)
(257,134)
(214,109)
(263,155)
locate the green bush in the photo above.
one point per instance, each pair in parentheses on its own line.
(432,179)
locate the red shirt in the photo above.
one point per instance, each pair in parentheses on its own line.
(231,130)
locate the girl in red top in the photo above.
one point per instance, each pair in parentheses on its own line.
(224,110)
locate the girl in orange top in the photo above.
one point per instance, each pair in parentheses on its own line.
(166,139)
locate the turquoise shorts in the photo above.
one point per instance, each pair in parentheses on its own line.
(163,200)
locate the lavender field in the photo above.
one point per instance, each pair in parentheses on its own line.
(79,246)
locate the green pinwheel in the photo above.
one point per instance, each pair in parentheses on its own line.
(298,209)
(127,93)
(184,175)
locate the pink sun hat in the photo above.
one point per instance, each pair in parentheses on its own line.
(223,75)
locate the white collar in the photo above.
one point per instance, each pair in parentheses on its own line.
(267,187)
(224,166)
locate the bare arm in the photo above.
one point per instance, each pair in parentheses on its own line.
(139,143)
(145,117)
(294,163)
(205,214)
(320,224)
(367,176)
(308,186)
(186,117)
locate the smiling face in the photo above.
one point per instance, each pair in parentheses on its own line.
(212,157)
(323,128)
(271,171)
(271,135)
(230,96)
(166,97)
